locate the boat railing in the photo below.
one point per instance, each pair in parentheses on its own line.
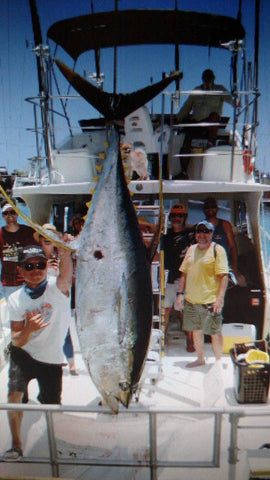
(152,460)
(241,156)
(226,159)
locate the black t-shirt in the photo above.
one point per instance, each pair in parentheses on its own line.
(175,247)
(9,244)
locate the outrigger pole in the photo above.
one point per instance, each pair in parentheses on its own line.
(42,53)
(256,68)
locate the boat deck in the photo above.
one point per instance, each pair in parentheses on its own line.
(184,433)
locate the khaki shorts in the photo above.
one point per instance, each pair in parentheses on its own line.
(170,294)
(198,317)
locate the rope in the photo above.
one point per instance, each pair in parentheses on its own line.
(161,223)
(42,231)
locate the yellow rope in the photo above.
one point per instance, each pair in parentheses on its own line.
(161,269)
(42,231)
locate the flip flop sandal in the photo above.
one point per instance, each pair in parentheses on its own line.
(13,454)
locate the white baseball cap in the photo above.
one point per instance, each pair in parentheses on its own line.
(6,207)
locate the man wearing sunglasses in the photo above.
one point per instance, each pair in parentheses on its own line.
(12,236)
(39,314)
(201,291)
(176,243)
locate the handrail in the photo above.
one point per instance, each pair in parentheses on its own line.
(153,463)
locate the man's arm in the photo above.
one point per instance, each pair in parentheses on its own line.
(64,278)
(226,98)
(233,253)
(181,291)
(22,331)
(218,305)
(232,245)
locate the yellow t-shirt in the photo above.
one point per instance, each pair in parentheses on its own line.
(202,268)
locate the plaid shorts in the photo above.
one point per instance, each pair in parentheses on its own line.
(23,368)
(200,317)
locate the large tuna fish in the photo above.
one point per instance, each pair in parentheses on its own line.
(113,287)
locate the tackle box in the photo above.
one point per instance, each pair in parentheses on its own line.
(251,381)
(237,333)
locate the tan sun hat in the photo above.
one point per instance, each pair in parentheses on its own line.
(47,226)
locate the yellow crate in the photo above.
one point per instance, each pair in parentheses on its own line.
(228,342)
(237,333)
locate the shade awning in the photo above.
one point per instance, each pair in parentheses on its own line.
(138,27)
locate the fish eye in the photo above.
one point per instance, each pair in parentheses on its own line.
(124,386)
(98,254)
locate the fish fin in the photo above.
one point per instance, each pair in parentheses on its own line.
(114,106)
(112,402)
(125,397)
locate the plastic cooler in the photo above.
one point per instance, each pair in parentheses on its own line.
(251,381)
(237,333)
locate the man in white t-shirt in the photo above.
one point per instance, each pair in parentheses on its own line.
(203,108)
(39,313)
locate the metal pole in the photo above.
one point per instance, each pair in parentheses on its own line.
(52,444)
(233,449)
(115,59)
(217,439)
(153,445)
(234,91)
(256,76)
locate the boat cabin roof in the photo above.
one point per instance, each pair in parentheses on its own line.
(120,28)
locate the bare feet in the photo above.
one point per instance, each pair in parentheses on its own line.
(196,363)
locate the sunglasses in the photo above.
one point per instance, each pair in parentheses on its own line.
(29,267)
(175,215)
(203,230)
(210,207)
(9,212)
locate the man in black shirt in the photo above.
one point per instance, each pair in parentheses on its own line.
(176,243)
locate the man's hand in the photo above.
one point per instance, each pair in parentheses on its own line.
(218,305)
(179,303)
(35,321)
(22,331)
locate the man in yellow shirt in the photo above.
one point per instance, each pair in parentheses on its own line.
(203,283)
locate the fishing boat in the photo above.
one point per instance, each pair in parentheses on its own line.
(173,408)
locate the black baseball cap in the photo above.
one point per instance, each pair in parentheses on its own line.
(31,251)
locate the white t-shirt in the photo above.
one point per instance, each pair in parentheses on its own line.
(200,106)
(45,345)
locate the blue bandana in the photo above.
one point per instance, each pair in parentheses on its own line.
(37,291)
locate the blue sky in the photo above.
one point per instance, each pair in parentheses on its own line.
(18,78)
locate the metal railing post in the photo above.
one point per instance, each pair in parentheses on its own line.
(233,448)
(153,445)
(52,444)
(217,439)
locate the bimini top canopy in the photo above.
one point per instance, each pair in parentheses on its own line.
(139,27)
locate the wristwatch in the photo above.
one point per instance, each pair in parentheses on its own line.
(179,293)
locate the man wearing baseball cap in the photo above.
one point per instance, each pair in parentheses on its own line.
(176,243)
(201,291)
(12,236)
(39,314)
